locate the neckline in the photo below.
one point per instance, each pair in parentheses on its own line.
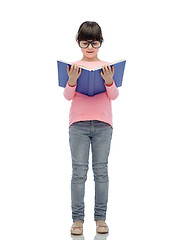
(90,61)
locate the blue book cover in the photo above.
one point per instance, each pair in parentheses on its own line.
(90,81)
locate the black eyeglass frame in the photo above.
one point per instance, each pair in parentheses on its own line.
(89,42)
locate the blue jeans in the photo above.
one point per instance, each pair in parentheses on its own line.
(81,135)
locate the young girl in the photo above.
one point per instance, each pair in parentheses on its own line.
(90,123)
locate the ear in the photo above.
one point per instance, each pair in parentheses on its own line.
(77,42)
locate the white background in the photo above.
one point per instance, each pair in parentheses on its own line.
(35,160)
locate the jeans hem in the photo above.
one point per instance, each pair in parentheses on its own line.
(100,218)
(74,220)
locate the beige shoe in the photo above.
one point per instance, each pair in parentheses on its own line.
(77,228)
(101,227)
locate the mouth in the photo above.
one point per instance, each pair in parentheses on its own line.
(90,51)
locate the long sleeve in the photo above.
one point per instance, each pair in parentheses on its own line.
(69,92)
(112,91)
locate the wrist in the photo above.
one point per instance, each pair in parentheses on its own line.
(72,82)
(109,82)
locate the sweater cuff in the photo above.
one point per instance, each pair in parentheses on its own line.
(71,86)
(109,84)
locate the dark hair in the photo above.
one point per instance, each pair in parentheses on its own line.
(89,31)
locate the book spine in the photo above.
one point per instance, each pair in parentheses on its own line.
(91,80)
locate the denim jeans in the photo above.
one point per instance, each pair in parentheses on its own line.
(81,135)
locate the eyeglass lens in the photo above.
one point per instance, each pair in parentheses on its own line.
(85,44)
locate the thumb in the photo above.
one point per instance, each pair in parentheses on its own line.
(79,72)
(68,68)
(112,69)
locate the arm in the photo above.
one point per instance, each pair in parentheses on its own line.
(73,73)
(69,92)
(107,74)
(112,91)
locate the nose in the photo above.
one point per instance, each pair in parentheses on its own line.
(90,46)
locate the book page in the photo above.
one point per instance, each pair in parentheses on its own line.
(94,69)
(109,64)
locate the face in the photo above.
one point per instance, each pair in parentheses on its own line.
(90,53)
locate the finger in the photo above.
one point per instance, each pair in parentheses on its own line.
(103,70)
(71,68)
(68,68)
(112,69)
(74,67)
(106,67)
(102,74)
(109,68)
(79,70)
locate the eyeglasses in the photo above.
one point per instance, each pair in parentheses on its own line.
(85,44)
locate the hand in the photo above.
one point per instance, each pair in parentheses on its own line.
(107,74)
(73,73)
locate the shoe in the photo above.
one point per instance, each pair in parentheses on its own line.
(77,228)
(101,227)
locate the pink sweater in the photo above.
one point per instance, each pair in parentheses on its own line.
(98,107)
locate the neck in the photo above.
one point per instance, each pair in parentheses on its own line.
(90,59)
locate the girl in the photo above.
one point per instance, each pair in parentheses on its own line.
(90,123)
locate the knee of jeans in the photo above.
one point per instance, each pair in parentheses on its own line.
(79,173)
(100,174)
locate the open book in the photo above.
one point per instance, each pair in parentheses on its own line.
(90,81)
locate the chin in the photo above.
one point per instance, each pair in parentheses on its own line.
(91,56)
